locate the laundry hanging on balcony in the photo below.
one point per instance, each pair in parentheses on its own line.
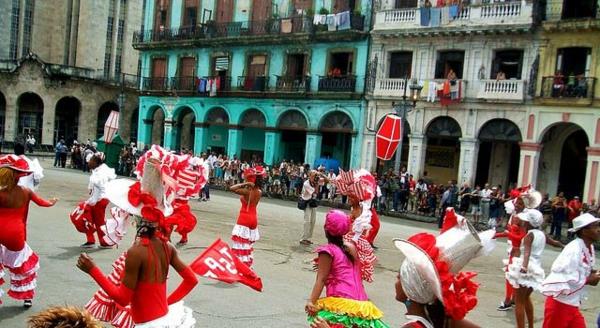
(111,126)
(451,92)
(334,22)
(387,138)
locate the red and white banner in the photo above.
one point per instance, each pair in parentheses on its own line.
(218,263)
(111,126)
(387,138)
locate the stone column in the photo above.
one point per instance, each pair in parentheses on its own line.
(417,146)
(591,188)
(529,160)
(144,136)
(369,158)
(313,148)
(11,118)
(168,136)
(354,152)
(467,164)
(272,142)
(48,118)
(200,134)
(234,143)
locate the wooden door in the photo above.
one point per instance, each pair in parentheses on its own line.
(188,66)
(262,10)
(224,11)
(161,15)
(302,5)
(343,5)
(159,73)
(257,65)
(190,13)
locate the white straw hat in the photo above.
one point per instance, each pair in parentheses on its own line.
(583,221)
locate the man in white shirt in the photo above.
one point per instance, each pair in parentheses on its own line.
(571,271)
(484,202)
(309,196)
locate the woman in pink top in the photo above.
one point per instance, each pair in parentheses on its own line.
(346,304)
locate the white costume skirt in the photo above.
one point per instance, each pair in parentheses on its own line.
(22,267)
(533,278)
(179,316)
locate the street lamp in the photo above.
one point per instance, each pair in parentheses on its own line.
(409,102)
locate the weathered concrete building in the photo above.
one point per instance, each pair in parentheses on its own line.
(64,65)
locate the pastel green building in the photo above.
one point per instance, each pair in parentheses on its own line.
(267,80)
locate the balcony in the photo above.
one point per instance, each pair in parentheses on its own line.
(253,83)
(389,87)
(275,31)
(155,84)
(497,16)
(189,83)
(576,91)
(293,83)
(512,90)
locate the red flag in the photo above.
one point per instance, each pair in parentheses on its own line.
(217,262)
(388,136)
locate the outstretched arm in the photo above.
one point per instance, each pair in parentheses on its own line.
(121,294)
(41,201)
(189,278)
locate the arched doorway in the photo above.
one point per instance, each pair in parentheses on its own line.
(563,160)
(31,113)
(443,149)
(103,114)
(498,157)
(253,123)
(336,143)
(133,123)
(2,115)
(217,121)
(293,128)
(66,120)
(184,129)
(385,166)
(157,136)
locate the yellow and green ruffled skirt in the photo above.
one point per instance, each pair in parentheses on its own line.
(349,313)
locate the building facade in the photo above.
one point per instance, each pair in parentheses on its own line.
(487,113)
(64,65)
(255,79)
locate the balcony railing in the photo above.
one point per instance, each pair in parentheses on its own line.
(293,83)
(345,83)
(501,90)
(389,87)
(502,13)
(271,27)
(568,87)
(189,83)
(253,83)
(155,84)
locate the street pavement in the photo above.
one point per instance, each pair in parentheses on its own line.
(284,265)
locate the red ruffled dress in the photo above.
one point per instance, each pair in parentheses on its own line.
(15,254)
(182,218)
(245,233)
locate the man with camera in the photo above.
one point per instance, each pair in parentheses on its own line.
(308,203)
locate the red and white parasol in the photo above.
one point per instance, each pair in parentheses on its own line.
(111,126)
(388,136)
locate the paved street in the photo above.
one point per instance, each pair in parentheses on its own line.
(283,264)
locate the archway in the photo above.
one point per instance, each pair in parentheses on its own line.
(31,113)
(185,129)
(384,166)
(66,119)
(253,124)
(103,114)
(133,123)
(217,121)
(498,157)
(2,115)
(336,131)
(563,160)
(158,127)
(443,149)
(293,126)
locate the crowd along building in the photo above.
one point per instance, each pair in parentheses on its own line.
(272,80)
(509,92)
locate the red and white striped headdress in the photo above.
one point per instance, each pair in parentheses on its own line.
(358,183)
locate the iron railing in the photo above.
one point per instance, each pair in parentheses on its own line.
(184,83)
(253,83)
(568,87)
(293,83)
(344,83)
(155,84)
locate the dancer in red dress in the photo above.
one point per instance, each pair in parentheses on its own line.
(135,294)
(15,253)
(245,232)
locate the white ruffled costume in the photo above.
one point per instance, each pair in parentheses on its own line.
(32,180)
(535,273)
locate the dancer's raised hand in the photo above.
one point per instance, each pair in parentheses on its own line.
(85,263)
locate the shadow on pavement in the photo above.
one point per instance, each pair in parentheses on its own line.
(11,311)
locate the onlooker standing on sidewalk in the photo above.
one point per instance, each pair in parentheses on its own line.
(485,202)
(574,207)
(465,199)
(475,200)
(559,214)
(495,214)
(30,143)
(444,202)
(330,186)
